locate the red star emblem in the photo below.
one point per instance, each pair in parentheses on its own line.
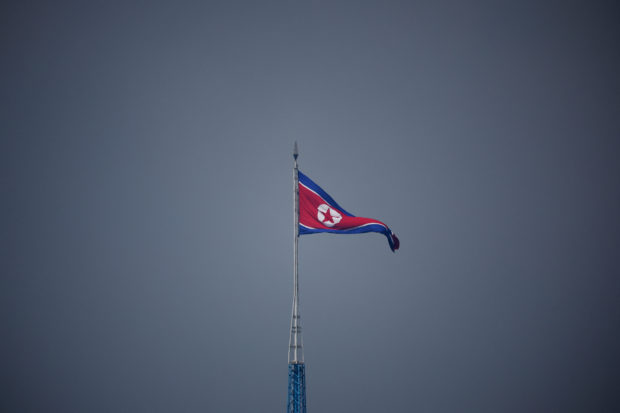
(328,216)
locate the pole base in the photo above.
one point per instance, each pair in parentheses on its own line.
(296,402)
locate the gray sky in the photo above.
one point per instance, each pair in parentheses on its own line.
(146,237)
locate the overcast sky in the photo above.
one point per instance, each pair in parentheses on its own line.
(146,232)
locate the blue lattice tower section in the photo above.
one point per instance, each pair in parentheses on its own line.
(296,400)
(296,388)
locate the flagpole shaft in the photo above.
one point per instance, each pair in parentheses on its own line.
(295,354)
(296,258)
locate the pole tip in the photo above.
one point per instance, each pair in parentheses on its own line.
(295,151)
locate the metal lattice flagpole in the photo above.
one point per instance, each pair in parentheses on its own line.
(296,402)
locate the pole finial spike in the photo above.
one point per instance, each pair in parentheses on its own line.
(295,151)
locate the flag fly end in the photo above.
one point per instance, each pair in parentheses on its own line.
(395,244)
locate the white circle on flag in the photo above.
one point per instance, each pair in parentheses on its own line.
(328,216)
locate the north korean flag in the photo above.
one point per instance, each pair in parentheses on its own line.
(318,212)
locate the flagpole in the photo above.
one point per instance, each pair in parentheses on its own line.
(295,344)
(296,400)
